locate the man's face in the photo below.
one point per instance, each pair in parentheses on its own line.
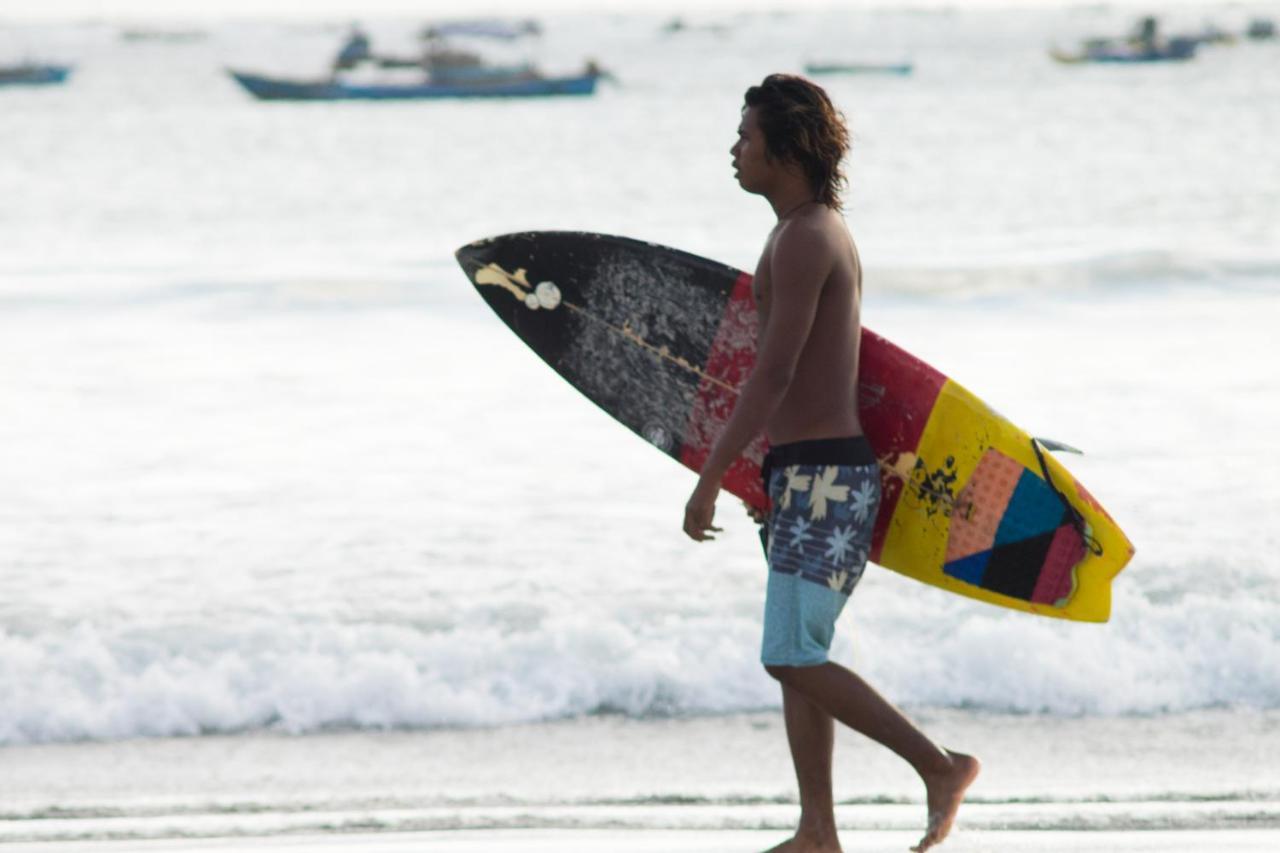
(750,165)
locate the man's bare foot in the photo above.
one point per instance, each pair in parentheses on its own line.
(946,792)
(799,844)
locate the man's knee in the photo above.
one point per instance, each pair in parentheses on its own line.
(793,675)
(783,674)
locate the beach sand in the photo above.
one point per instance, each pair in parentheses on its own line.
(669,841)
(1194,782)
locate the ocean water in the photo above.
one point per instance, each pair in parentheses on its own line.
(268,467)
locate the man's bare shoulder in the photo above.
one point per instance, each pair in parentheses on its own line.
(817,237)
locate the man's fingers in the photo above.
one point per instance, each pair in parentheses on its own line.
(699,529)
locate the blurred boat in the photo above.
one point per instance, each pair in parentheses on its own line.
(1261,29)
(445,63)
(491,29)
(279,89)
(1126,51)
(679,25)
(33,75)
(1144,44)
(137,34)
(900,68)
(445,70)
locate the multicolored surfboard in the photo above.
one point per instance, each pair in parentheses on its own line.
(662,340)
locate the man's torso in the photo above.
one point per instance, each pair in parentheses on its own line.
(821,400)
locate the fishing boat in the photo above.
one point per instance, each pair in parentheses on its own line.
(280,89)
(1125,51)
(149,34)
(1261,29)
(443,70)
(482,28)
(33,75)
(1144,44)
(899,68)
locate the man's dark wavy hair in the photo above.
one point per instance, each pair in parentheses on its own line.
(802,126)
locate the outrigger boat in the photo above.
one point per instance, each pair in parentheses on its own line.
(1145,44)
(446,71)
(899,68)
(33,75)
(1115,51)
(279,89)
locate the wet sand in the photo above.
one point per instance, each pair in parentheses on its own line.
(676,841)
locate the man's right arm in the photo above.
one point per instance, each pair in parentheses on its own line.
(800,264)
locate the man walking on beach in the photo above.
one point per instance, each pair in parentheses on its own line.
(821,475)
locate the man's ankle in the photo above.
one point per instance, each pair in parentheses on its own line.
(936,765)
(822,830)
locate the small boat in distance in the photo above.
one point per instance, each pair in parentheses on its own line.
(899,68)
(484,28)
(137,34)
(1144,44)
(1261,29)
(444,71)
(1115,51)
(33,75)
(279,89)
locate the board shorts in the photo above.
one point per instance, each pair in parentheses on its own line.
(825,494)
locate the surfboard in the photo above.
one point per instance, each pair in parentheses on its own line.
(661,340)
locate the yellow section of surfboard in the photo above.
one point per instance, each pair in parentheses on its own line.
(960,433)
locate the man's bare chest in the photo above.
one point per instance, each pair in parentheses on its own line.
(762,287)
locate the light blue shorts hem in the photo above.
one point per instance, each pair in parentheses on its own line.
(799,621)
(798,664)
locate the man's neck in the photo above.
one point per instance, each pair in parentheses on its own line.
(790,199)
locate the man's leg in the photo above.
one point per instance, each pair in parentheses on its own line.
(852,701)
(811,735)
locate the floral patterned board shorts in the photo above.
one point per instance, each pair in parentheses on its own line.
(825,496)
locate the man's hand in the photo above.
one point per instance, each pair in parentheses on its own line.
(700,511)
(759,516)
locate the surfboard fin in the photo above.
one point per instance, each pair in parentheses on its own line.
(1058,446)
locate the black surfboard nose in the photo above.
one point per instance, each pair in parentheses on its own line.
(469,256)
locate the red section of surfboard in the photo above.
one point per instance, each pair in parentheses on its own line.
(896,395)
(729,362)
(897,392)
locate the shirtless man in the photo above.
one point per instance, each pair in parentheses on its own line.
(821,474)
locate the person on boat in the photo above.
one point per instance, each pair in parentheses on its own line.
(593,68)
(355,49)
(821,474)
(1147,36)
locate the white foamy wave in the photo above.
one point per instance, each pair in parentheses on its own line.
(1202,651)
(94,682)
(98,682)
